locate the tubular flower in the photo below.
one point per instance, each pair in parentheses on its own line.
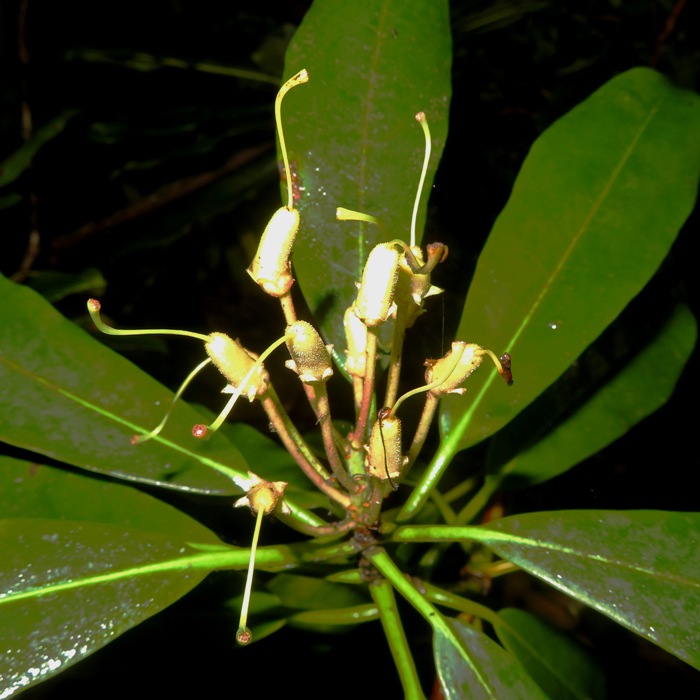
(271,268)
(242,369)
(263,495)
(356,336)
(311,359)
(384,453)
(414,279)
(375,296)
(447,373)
(235,363)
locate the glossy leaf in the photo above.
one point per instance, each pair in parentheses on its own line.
(555,660)
(639,389)
(68,588)
(35,490)
(262,603)
(587,224)
(352,136)
(70,398)
(334,619)
(640,568)
(470,665)
(309,593)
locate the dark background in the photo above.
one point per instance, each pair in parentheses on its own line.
(161,183)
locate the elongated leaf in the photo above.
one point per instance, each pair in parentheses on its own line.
(308,593)
(334,619)
(10,200)
(560,666)
(64,592)
(639,389)
(54,286)
(68,397)
(587,224)
(640,568)
(352,135)
(68,588)
(470,665)
(34,490)
(13,166)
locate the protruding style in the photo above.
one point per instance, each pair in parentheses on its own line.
(262,498)
(271,268)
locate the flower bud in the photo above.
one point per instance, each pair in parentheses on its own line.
(311,359)
(235,362)
(375,297)
(271,268)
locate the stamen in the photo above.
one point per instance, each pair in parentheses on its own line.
(202,431)
(427,387)
(262,498)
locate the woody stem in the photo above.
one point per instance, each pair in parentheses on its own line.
(298,449)
(290,314)
(367,386)
(392,384)
(426,418)
(318,397)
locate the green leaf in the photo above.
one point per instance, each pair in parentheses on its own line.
(74,400)
(308,593)
(560,666)
(352,137)
(587,224)
(640,568)
(10,200)
(54,286)
(334,619)
(470,665)
(34,490)
(68,588)
(149,62)
(14,165)
(638,390)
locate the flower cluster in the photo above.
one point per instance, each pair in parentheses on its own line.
(361,466)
